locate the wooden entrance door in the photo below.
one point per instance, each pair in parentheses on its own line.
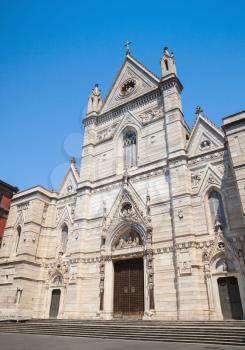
(230,298)
(129,288)
(55,303)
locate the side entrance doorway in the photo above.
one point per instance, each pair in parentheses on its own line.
(129,288)
(230,299)
(55,303)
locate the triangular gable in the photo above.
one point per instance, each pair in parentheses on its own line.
(220,247)
(204,132)
(127,194)
(65,216)
(209,179)
(131,70)
(128,119)
(69,184)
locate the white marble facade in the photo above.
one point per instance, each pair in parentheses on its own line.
(149,187)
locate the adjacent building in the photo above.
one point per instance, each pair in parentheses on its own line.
(6,193)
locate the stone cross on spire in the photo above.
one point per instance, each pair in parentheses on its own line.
(127,46)
(198,110)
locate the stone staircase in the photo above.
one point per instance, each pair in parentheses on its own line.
(209,332)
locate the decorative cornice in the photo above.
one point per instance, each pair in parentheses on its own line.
(171,81)
(122,109)
(206,157)
(89,120)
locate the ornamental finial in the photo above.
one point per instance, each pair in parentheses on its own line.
(198,110)
(127,46)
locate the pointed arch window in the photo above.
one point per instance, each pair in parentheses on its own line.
(18,238)
(64,238)
(216,208)
(130,149)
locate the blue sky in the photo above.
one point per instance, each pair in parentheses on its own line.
(52,53)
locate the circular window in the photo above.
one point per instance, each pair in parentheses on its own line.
(127,87)
(205,144)
(69,188)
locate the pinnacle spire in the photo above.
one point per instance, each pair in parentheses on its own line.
(168,63)
(95,100)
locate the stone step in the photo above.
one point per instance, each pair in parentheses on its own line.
(130,328)
(220,332)
(158,334)
(127,321)
(120,327)
(218,325)
(167,338)
(142,323)
(189,334)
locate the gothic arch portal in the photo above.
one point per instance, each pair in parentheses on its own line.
(122,229)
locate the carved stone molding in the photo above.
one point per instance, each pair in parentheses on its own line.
(219,246)
(23,206)
(58,268)
(130,106)
(150,277)
(102,282)
(45,208)
(205,158)
(148,175)
(206,246)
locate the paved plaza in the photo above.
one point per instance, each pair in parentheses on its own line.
(46,342)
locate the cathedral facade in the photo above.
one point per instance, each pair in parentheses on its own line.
(151,227)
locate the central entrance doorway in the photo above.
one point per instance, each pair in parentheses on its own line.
(55,303)
(230,298)
(129,288)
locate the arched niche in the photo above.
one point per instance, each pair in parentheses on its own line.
(127,236)
(216,207)
(57,280)
(63,239)
(216,211)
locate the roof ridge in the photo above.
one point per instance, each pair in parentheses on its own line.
(210,121)
(149,70)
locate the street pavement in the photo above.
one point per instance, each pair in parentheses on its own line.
(47,342)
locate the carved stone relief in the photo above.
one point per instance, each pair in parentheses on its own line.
(107,133)
(56,269)
(184,262)
(150,277)
(129,240)
(150,115)
(195,179)
(212,180)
